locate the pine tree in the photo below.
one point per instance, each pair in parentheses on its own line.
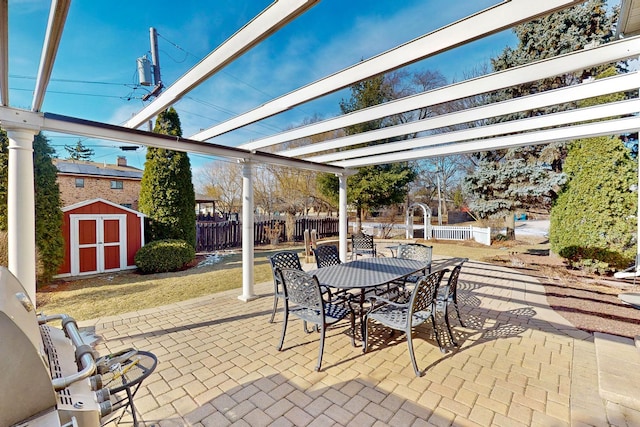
(568,30)
(166,193)
(496,188)
(373,186)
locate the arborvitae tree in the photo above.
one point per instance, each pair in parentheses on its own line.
(166,193)
(373,186)
(79,151)
(594,217)
(49,240)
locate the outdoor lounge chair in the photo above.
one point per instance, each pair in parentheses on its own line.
(305,301)
(362,244)
(406,316)
(327,255)
(448,295)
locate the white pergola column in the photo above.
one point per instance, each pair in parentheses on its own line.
(21,221)
(247,233)
(343,218)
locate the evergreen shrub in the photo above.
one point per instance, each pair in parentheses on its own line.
(593,222)
(162,256)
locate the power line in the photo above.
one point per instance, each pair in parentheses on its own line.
(14,76)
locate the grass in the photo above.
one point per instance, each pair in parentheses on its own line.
(122,292)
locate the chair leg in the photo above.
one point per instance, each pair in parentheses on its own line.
(455,304)
(435,331)
(353,329)
(306,329)
(409,334)
(322,331)
(275,307)
(284,329)
(446,321)
(365,336)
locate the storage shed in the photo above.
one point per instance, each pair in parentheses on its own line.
(100,236)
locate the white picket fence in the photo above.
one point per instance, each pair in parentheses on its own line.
(452,232)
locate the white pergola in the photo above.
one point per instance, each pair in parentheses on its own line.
(336,155)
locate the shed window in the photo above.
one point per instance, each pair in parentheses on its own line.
(116,185)
(79,182)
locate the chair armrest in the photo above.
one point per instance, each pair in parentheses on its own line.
(374,298)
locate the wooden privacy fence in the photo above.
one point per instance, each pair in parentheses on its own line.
(218,235)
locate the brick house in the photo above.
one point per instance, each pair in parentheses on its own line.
(81,180)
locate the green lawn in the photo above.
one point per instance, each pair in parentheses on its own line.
(111,294)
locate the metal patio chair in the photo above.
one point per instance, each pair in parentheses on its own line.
(406,316)
(305,301)
(282,260)
(327,255)
(448,295)
(362,244)
(418,252)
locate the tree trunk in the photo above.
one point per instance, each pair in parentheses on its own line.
(510,224)
(358,227)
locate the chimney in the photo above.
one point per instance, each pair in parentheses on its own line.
(122,161)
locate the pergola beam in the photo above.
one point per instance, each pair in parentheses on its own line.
(564,118)
(57,18)
(274,17)
(17,118)
(490,21)
(611,52)
(611,127)
(566,94)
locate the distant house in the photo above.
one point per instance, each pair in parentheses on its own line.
(81,180)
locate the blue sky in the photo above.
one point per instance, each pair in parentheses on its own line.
(95,77)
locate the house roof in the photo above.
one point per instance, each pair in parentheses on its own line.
(79,167)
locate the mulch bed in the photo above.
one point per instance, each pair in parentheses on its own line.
(590,303)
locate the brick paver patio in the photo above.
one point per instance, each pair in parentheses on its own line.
(519,364)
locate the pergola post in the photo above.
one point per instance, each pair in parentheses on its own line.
(248,293)
(21,221)
(343,218)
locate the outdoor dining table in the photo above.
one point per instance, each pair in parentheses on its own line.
(367,274)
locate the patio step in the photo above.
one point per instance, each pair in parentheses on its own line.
(618,370)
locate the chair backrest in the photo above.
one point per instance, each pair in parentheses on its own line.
(361,241)
(452,284)
(424,293)
(415,251)
(284,259)
(302,289)
(327,255)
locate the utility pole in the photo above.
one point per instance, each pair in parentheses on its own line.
(144,72)
(155,59)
